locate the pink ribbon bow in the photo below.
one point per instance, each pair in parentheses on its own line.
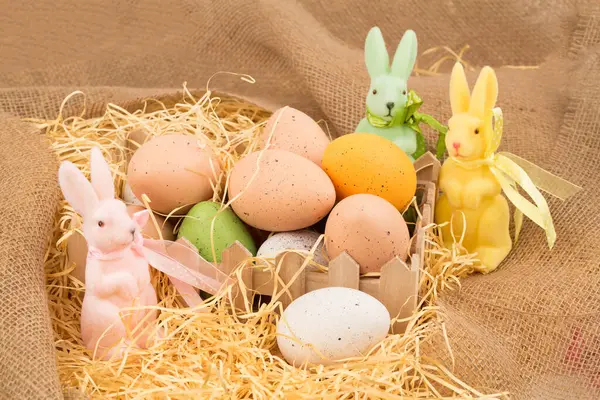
(192,272)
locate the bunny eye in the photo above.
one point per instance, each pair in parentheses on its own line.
(100,224)
(374,91)
(477,131)
(404,92)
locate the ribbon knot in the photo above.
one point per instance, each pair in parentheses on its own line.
(512,171)
(410,116)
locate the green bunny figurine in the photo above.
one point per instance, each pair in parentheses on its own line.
(391,107)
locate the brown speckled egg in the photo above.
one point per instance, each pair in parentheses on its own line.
(370,229)
(173,171)
(295,132)
(288,193)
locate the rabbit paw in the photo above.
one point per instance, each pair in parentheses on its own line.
(471,197)
(119,283)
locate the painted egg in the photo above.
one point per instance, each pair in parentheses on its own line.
(77,246)
(303,240)
(370,229)
(292,130)
(339,322)
(173,171)
(367,163)
(227,228)
(288,193)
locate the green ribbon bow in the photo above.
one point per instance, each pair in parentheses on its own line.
(411,117)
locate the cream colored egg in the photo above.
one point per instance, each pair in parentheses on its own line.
(287,193)
(303,241)
(370,229)
(292,130)
(338,322)
(174,171)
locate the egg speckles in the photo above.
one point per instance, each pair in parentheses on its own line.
(173,171)
(297,240)
(294,131)
(339,322)
(366,163)
(369,228)
(288,192)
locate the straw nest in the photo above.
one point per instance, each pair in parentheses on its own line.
(220,354)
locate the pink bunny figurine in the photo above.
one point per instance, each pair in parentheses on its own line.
(117,275)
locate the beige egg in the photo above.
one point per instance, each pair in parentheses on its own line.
(370,229)
(77,246)
(294,131)
(173,171)
(288,193)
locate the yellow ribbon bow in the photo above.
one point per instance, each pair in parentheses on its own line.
(512,171)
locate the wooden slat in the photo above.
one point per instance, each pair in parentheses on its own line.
(344,272)
(428,167)
(262,282)
(231,258)
(398,291)
(290,265)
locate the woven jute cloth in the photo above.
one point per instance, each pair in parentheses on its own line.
(531,328)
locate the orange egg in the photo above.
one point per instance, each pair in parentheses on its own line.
(366,163)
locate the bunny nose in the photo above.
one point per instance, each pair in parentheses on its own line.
(390,105)
(456,145)
(132,231)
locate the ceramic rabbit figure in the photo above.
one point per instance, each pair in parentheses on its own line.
(388,92)
(117,276)
(473,191)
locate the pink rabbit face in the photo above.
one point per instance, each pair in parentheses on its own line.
(110,228)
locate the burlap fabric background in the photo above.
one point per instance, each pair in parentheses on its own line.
(531,328)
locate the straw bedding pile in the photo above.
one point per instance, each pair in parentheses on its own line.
(220,354)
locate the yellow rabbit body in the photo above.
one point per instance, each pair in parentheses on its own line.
(469,188)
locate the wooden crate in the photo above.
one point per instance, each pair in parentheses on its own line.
(397,287)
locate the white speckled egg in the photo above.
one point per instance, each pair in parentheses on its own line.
(303,240)
(338,322)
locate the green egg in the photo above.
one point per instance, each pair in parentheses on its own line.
(228,228)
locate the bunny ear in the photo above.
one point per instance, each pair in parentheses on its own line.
(102,180)
(485,93)
(406,55)
(76,188)
(376,55)
(141,218)
(459,90)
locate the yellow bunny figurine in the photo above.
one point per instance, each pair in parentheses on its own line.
(474,191)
